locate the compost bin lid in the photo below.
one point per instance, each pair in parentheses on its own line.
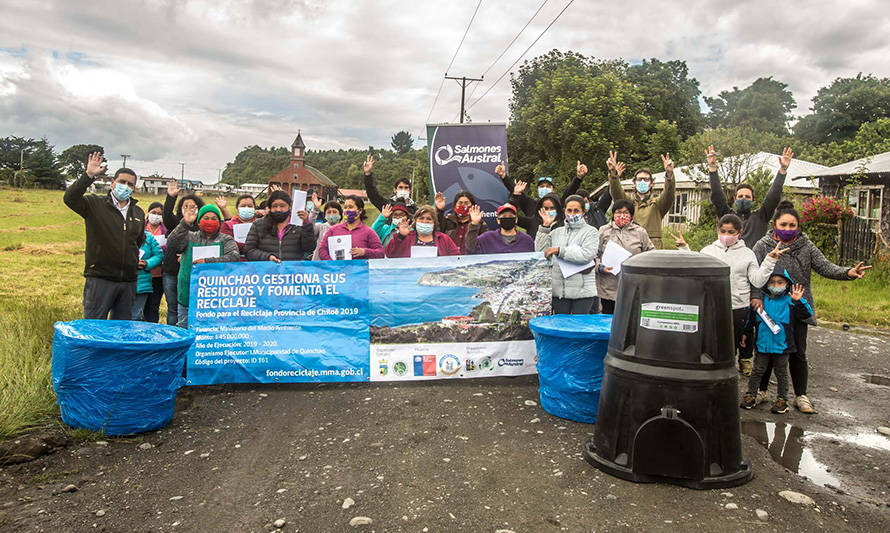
(675,262)
(594,327)
(124,333)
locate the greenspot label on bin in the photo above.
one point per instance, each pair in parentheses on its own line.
(669,317)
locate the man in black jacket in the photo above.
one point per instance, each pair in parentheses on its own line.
(401,190)
(115,230)
(754,223)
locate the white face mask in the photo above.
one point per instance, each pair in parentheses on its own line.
(397,221)
(154,219)
(402,193)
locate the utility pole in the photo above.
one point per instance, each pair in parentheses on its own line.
(218,175)
(125,157)
(21,166)
(182,176)
(462,81)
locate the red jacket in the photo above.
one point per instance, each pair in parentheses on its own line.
(400,246)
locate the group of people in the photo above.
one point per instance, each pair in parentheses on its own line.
(134,259)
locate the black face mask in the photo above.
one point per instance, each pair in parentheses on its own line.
(279,216)
(507,223)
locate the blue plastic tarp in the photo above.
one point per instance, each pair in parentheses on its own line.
(118,377)
(571,349)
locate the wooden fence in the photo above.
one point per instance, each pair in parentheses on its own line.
(857,240)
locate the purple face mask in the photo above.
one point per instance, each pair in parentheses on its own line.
(786,235)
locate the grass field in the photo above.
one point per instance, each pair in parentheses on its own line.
(41,282)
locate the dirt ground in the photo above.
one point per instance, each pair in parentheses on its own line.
(454,456)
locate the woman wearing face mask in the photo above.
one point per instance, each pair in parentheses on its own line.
(799,261)
(550,203)
(150,257)
(246,207)
(209,221)
(154,225)
(365,243)
(575,243)
(424,233)
(170,267)
(506,239)
(464,223)
(332,215)
(744,272)
(387,223)
(274,238)
(626,233)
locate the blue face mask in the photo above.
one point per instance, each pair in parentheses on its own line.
(246,213)
(642,186)
(544,191)
(574,220)
(775,291)
(424,228)
(552,213)
(121,192)
(333,218)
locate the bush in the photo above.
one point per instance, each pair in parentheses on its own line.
(824,210)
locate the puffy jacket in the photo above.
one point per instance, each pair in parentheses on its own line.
(743,269)
(183,239)
(453,227)
(112,241)
(401,246)
(152,255)
(295,243)
(577,246)
(649,211)
(784,312)
(802,259)
(633,238)
(383,229)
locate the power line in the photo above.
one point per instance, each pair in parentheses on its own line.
(523,54)
(436,99)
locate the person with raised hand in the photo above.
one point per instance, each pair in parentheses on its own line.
(401,189)
(575,243)
(755,222)
(463,228)
(626,233)
(424,232)
(246,213)
(172,215)
(649,210)
(275,238)
(507,239)
(115,230)
(799,260)
(526,204)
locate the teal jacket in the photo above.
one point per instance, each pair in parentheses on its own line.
(383,229)
(152,255)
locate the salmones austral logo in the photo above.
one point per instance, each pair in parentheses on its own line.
(468,154)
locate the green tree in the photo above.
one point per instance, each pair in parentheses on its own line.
(668,93)
(73,160)
(842,107)
(402,142)
(41,167)
(255,165)
(764,105)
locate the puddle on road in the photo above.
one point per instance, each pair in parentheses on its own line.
(790,447)
(875,379)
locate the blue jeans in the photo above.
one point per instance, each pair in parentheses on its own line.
(139,305)
(183,320)
(170,281)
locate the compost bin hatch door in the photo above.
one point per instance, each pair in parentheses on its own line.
(666,445)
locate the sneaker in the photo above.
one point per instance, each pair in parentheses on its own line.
(804,405)
(748,401)
(780,407)
(746,366)
(762,397)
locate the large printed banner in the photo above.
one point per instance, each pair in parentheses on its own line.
(463,157)
(380,320)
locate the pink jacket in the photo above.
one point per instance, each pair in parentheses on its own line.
(362,237)
(400,246)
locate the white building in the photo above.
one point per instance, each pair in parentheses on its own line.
(253,188)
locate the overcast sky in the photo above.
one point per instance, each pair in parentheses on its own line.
(196,81)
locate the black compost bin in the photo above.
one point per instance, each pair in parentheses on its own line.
(669,403)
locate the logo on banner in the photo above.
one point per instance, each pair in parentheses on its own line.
(470,366)
(506,361)
(467,154)
(384,368)
(449,365)
(485,363)
(424,365)
(399,368)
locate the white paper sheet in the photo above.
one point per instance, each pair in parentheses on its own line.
(570,269)
(299,198)
(340,246)
(162,240)
(424,251)
(613,256)
(240,231)
(141,254)
(770,323)
(204,252)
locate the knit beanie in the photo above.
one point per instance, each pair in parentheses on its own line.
(207,209)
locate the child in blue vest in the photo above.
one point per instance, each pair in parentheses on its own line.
(783,305)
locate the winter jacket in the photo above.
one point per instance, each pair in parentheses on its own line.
(784,312)
(295,243)
(377,199)
(530,223)
(492,242)
(112,240)
(649,211)
(743,269)
(152,255)
(229,229)
(633,238)
(161,230)
(362,237)
(529,207)
(754,223)
(401,246)
(319,229)
(172,220)
(579,246)
(383,229)
(182,238)
(464,234)
(802,259)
